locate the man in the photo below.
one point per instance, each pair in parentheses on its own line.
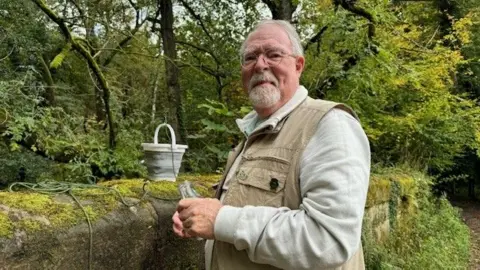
(293,193)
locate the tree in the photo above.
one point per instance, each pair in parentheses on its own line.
(75,44)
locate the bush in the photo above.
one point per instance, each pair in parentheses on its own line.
(432,238)
(22,165)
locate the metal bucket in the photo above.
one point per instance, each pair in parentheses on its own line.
(163,161)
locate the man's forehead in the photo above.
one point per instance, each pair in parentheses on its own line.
(267,37)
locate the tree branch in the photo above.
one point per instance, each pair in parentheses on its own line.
(200,49)
(130,53)
(122,44)
(80,11)
(11,51)
(59,21)
(133,4)
(434,34)
(350,6)
(316,38)
(47,76)
(197,17)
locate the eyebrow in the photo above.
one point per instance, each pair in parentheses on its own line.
(263,48)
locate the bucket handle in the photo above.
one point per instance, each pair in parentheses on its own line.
(172,134)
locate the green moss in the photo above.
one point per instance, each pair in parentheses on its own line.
(30,225)
(378,190)
(30,202)
(65,218)
(97,201)
(164,189)
(60,215)
(106,199)
(408,193)
(93,212)
(380,187)
(6,226)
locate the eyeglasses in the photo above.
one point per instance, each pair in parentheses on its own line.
(271,58)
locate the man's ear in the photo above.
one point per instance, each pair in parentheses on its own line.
(300,64)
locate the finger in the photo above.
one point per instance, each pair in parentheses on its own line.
(187,213)
(188,233)
(178,225)
(178,231)
(187,224)
(176,218)
(185,203)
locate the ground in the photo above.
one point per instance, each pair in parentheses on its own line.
(471,216)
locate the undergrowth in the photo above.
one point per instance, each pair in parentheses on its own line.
(433,237)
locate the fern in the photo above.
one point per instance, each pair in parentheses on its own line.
(58,60)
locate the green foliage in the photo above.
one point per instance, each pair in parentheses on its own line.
(22,163)
(222,134)
(405,94)
(413,84)
(393,203)
(429,236)
(435,238)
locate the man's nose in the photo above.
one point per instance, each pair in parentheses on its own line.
(261,63)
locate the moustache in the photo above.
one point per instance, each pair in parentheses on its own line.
(259,78)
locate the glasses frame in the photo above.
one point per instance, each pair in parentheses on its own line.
(265,59)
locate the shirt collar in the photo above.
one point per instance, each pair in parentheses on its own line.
(251,122)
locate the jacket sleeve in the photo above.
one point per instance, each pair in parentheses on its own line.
(325,232)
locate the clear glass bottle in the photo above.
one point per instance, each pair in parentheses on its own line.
(187,190)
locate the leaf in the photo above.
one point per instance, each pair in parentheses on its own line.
(216,107)
(14,146)
(58,60)
(209,125)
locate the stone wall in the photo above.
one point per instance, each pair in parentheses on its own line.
(390,197)
(40,231)
(136,237)
(376,219)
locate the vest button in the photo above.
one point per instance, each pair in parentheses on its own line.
(274,183)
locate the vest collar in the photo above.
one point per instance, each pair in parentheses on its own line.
(249,124)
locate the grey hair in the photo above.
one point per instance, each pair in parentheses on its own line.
(292,34)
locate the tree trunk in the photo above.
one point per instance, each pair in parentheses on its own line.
(90,36)
(171,69)
(471,188)
(47,77)
(281,10)
(154,97)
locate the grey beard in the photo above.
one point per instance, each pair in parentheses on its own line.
(264,96)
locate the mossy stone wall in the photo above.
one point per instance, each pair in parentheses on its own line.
(39,231)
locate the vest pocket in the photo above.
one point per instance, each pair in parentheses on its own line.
(261,187)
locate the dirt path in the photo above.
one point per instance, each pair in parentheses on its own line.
(471,216)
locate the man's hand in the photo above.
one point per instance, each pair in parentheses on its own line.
(196,218)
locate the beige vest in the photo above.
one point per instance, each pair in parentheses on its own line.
(268,175)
